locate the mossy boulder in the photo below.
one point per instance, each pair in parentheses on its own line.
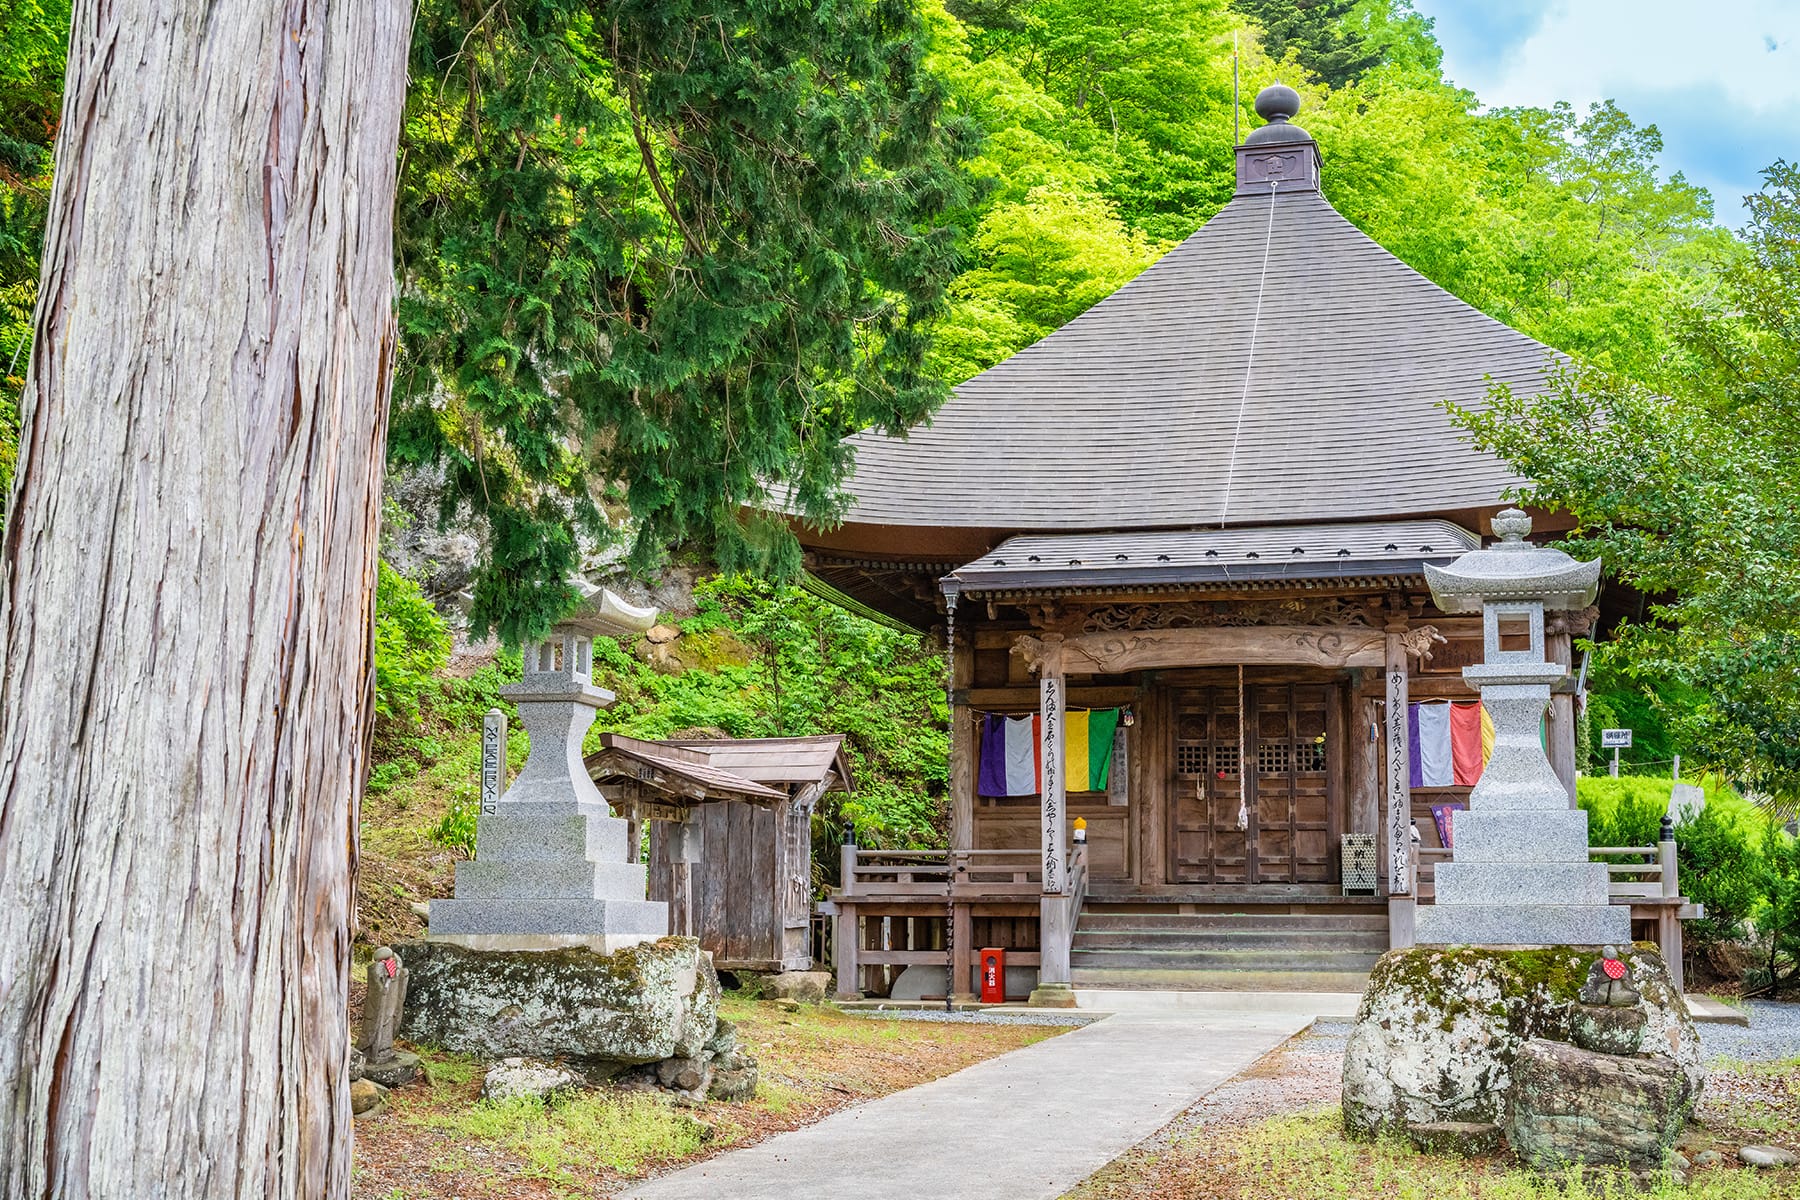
(1568,1106)
(652,1001)
(1439,1028)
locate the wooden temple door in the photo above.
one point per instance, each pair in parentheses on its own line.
(1206,843)
(1283,828)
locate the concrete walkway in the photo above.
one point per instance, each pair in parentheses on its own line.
(1028,1125)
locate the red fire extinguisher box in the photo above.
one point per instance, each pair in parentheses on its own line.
(993,976)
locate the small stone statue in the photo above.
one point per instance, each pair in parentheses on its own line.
(381,1007)
(1609,982)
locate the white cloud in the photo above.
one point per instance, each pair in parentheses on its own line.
(1656,58)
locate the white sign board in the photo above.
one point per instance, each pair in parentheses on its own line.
(1615,739)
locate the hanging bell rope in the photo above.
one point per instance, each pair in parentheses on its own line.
(1243,757)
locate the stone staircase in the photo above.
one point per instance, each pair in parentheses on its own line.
(1320,946)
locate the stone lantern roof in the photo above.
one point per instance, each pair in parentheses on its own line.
(1513,569)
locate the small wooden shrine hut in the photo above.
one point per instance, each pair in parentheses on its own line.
(730,823)
(1199,512)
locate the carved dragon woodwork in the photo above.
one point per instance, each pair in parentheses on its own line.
(1225,614)
(1111,653)
(1418,642)
(1576,623)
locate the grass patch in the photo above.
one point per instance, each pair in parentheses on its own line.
(449,1070)
(1307,1155)
(620,1131)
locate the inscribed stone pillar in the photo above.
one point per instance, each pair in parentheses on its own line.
(1397,828)
(1053,800)
(493,760)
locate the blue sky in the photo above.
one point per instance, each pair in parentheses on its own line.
(1720,80)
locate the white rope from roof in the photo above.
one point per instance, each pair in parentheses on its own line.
(1250,359)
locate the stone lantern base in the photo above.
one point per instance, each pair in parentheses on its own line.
(551,874)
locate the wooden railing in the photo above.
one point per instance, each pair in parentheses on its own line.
(1653,876)
(999,873)
(894,872)
(926,873)
(1649,872)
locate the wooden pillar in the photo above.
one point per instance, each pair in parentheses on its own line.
(1561,739)
(962,952)
(844,944)
(1053,800)
(1056,935)
(1363,736)
(965,738)
(1398,824)
(684,851)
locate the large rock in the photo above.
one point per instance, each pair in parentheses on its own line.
(1569,1105)
(808,987)
(645,1003)
(1439,1028)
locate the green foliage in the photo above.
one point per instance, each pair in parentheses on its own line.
(32,37)
(1683,482)
(664,257)
(779,662)
(1718,858)
(456,830)
(412,643)
(1320,37)
(1777,881)
(1722,851)
(1623,812)
(621,1131)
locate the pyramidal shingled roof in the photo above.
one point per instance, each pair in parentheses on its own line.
(1278,365)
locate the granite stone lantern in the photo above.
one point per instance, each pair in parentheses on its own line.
(552,867)
(1519,873)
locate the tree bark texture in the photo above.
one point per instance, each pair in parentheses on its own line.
(186,591)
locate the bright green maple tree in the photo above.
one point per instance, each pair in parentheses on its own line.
(1684,482)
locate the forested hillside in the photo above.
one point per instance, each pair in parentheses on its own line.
(651,274)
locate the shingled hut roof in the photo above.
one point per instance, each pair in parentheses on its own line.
(1276,366)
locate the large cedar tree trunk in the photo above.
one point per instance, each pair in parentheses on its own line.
(185,598)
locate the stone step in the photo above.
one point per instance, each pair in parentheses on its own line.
(1100,921)
(524,918)
(1187,980)
(1519,882)
(1361,940)
(581,879)
(1483,836)
(549,831)
(1522,924)
(1299,961)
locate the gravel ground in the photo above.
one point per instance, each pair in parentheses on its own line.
(1774,1034)
(1037,1017)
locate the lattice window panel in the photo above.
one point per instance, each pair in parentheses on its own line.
(1225,761)
(1309,758)
(1190,759)
(1272,758)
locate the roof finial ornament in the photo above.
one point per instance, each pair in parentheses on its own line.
(1511,525)
(1277,104)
